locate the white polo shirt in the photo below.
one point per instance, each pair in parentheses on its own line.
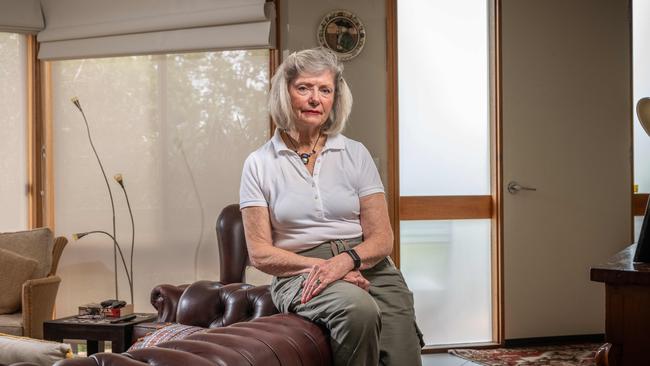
(306,210)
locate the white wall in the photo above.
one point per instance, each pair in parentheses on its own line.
(366,74)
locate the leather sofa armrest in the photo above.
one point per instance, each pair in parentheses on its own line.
(38,298)
(164,299)
(211,304)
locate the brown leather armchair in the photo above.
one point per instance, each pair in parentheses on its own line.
(244,327)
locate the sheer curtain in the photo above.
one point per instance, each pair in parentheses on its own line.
(178,128)
(13,132)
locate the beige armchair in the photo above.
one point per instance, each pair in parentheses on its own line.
(36,248)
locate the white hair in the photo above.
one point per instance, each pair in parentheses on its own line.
(309,61)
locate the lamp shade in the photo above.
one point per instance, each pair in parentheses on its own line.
(642,253)
(643,112)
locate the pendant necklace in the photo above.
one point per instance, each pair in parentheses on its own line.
(304,156)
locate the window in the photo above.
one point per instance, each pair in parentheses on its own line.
(13,132)
(444,160)
(178,128)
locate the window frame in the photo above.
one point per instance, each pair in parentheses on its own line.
(451,207)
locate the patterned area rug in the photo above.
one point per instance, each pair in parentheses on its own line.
(568,355)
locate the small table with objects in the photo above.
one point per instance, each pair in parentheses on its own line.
(119,333)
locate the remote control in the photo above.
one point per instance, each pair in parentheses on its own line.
(124,319)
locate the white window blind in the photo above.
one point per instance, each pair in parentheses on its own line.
(20,16)
(98,28)
(178,128)
(13,132)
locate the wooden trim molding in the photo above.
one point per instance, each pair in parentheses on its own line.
(275,56)
(639,203)
(392,126)
(445,207)
(47,170)
(497,281)
(444,348)
(34,136)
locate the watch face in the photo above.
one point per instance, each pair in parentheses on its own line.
(342,32)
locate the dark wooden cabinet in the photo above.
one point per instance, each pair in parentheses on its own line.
(627,296)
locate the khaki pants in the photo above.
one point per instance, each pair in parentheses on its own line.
(366,328)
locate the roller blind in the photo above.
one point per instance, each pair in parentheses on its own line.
(100,28)
(20,16)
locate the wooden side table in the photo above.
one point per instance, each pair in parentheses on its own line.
(93,331)
(627,309)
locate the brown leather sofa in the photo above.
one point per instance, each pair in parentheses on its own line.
(244,327)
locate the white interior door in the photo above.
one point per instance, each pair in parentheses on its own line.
(566,112)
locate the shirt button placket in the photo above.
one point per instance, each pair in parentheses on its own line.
(319,206)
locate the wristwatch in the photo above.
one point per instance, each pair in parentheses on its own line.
(355,257)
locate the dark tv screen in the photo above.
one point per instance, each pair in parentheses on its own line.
(642,253)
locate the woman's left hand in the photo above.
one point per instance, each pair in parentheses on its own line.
(321,275)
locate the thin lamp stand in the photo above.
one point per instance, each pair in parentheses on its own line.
(116,247)
(118,178)
(76,102)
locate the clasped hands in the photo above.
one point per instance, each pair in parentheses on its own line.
(321,275)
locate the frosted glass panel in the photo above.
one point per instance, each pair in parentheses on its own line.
(447,266)
(178,127)
(443,97)
(641,61)
(13,132)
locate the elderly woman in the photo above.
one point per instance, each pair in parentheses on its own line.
(315,218)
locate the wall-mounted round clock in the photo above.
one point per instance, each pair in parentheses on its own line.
(342,32)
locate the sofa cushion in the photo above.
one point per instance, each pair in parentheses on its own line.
(167,333)
(12,324)
(36,244)
(16,269)
(22,349)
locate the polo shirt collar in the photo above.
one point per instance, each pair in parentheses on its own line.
(334,142)
(278,143)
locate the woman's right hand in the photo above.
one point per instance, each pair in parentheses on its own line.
(356,278)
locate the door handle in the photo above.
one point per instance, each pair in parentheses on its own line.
(514,187)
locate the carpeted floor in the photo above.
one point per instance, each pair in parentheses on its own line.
(567,355)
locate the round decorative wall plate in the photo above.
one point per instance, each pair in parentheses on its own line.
(342,32)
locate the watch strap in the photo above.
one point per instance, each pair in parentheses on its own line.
(355,257)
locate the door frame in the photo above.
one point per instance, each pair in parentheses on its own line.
(451,207)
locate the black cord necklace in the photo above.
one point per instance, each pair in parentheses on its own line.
(304,156)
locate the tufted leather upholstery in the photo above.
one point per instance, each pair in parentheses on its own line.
(211,304)
(245,328)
